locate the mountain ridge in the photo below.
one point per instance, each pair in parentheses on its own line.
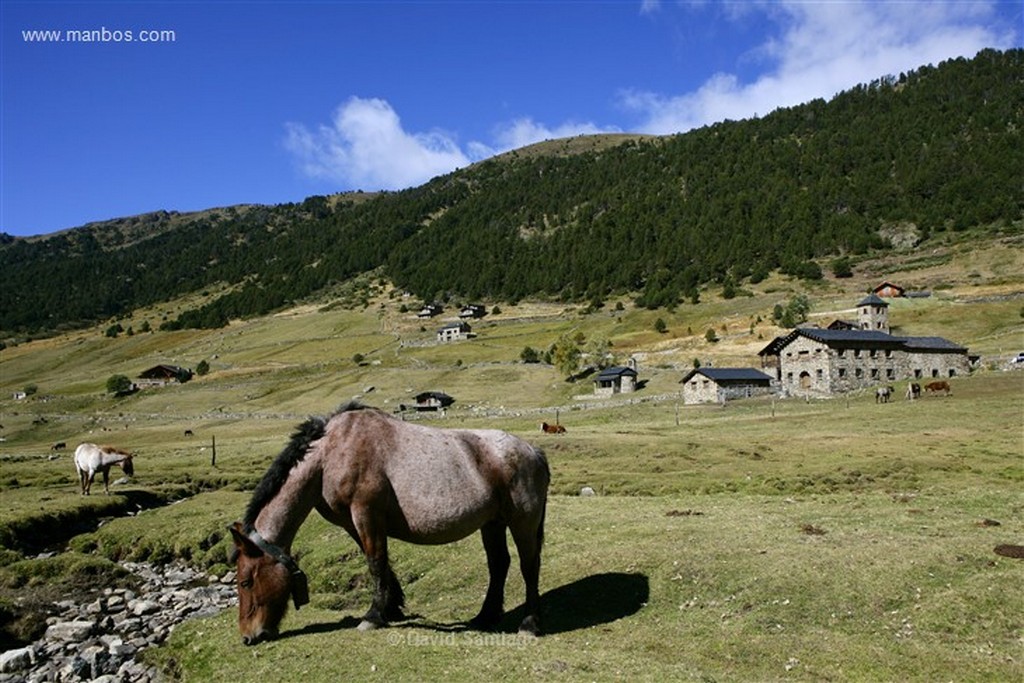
(579,219)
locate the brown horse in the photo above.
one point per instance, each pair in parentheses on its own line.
(379,477)
(90,459)
(936,387)
(551,429)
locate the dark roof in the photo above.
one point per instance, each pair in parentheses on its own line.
(729,375)
(873,300)
(439,396)
(887,284)
(615,371)
(931,344)
(163,371)
(861,339)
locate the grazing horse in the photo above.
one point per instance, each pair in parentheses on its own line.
(90,459)
(551,429)
(379,477)
(883,394)
(913,391)
(59,446)
(936,387)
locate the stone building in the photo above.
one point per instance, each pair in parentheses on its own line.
(616,380)
(454,332)
(717,385)
(820,362)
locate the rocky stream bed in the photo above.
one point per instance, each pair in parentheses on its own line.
(101,640)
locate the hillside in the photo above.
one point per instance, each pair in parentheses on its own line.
(741,539)
(897,163)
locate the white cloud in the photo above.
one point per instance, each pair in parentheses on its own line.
(821,48)
(365,146)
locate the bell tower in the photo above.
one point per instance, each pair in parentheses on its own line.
(873,314)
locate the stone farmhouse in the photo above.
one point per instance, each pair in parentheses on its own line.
(616,380)
(717,385)
(454,332)
(811,362)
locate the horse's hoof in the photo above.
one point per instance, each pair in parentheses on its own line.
(529,627)
(366,625)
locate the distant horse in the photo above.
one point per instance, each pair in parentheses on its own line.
(883,394)
(90,459)
(188,432)
(913,391)
(936,387)
(59,446)
(551,429)
(378,477)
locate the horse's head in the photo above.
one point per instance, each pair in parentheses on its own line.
(128,467)
(265,577)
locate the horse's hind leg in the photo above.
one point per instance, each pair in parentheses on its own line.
(498,561)
(529,539)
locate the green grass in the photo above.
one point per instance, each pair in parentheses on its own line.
(728,588)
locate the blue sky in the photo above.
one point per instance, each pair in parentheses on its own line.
(269,102)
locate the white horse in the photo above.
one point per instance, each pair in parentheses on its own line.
(90,459)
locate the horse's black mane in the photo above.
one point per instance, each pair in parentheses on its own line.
(275,477)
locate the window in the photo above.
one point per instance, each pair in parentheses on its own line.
(842,373)
(890,374)
(856,353)
(873,353)
(858,373)
(888,353)
(874,373)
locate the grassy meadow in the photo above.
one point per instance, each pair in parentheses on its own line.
(762,540)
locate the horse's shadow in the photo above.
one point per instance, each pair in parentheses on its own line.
(589,601)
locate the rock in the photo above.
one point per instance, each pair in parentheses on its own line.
(16,660)
(587,491)
(99,639)
(70,630)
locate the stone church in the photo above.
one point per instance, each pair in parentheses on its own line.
(857,355)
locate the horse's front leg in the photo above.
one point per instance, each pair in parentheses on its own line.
(388,598)
(106,482)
